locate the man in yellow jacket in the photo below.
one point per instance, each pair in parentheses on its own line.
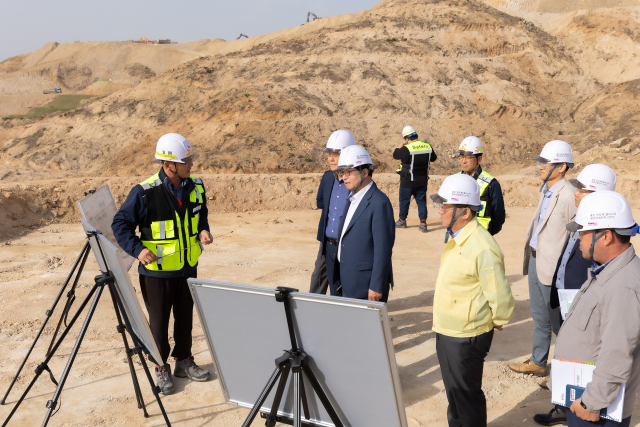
(472,298)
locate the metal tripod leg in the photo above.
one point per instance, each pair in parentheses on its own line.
(51,405)
(43,366)
(129,352)
(281,368)
(137,349)
(83,256)
(321,395)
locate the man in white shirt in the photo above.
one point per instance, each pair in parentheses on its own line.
(367,232)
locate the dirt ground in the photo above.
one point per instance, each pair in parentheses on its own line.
(267,248)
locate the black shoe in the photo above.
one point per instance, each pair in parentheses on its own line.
(555,416)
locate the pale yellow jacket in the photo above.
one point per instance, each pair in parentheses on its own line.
(472,294)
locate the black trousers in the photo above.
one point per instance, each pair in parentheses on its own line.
(160,297)
(333,268)
(461,362)
(319,279)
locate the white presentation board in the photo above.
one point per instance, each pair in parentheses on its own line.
(348,341)
(102,247)
(99,209)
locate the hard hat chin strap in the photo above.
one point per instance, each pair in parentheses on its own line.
(361,182)
(549,175)
(454,218)
(594,238)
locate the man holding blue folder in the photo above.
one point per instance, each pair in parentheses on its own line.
(603,323)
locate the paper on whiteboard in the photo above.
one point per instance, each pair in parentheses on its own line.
(579,374)
(566,297)
(98,209)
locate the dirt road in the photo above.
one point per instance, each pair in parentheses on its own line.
(267,249)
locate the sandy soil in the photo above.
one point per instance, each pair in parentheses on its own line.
(268,249)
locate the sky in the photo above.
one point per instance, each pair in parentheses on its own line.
(27,25)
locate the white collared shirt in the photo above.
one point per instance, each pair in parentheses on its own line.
(355,202)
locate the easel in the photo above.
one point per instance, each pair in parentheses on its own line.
(101,281)
(293,360)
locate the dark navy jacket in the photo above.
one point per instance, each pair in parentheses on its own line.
(575,274)
(130,215)
(367,245)
(322,201)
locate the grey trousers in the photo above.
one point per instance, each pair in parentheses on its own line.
(547,319)
(319,280)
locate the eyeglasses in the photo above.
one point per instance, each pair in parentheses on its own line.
(342,174)
(543,164)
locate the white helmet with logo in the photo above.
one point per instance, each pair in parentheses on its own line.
(408,132)
(470,145)
(354,156)
(604,210)
(556,152)
(173,147)
(596,177)
(338,141)
(458,189)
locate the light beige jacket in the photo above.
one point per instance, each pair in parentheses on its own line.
(603,327)
(562,207)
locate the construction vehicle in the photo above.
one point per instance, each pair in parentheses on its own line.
(56,90)
(241,36)
(310,14)
(145,40)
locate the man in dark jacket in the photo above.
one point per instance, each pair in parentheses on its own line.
(331,198)
(170,210)
(572,268)
(367,232)
(416,157)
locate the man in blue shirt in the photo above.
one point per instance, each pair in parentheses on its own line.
(572,268)
(332,197)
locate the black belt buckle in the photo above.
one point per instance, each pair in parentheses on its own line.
(333,242)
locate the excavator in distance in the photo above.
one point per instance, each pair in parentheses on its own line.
(310,14)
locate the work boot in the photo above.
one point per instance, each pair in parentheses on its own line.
(423,227)
(528,367)
(401,223)
(187,368)
(555,416)
(165,382)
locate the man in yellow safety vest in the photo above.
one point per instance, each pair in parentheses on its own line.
(491,215)
(416,157)
(170,210)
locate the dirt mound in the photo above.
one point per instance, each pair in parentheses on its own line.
(139,71)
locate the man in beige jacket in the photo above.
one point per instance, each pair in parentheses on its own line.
(603,323)
(545,239)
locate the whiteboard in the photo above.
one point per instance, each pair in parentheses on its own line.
(109,258)
(348,341)
(98,209)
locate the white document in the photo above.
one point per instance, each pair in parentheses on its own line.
(565,373)
(566,297)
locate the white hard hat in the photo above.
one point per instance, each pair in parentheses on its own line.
(458,189)
(173,147)
(338,141)
(556,152)
(596,177)
(471,145)
(604,210)
(408,132)
(354,156)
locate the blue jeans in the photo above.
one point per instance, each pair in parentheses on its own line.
(420,194)
(547,320)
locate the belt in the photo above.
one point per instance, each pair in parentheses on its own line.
(533,253)
(333,242)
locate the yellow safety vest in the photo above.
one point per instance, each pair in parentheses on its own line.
(171,238)
(484,215)
(416,148)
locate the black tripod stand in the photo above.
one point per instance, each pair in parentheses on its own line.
(297,361)
(104,280)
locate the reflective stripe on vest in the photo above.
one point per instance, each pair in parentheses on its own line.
(174,240)
(417,148)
